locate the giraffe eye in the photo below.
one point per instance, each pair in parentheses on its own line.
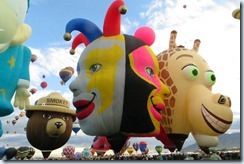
(210,78)
(191,72)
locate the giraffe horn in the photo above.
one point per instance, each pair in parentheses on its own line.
(172,43)
(196,45)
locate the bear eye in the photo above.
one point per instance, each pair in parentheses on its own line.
(48,116)
(65,118)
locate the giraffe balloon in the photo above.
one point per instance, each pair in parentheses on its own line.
(191,106)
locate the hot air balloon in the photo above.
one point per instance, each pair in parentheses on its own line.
(135,146)
(100,145)
(31,153)
(22,114)
(69,151)
(33,58)
(71,69)
(158,149)
(10,153)
(66,73)
(76,127)
(22,152)
(117,64)
(16,118)
(183,116)
(86,153)
(2,152)
(130,150)
(143,146)
(54,132)
(77,155)
(15,56)
(33,90)
(43,84)
(236,13)
(13,122)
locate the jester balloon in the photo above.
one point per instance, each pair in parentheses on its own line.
(192,107)
(14,56)
(117,89)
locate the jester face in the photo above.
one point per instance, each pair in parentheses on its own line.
(117,88)
(12,15)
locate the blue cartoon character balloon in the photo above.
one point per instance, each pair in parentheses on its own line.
(14,56)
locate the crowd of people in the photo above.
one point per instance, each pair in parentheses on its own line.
(174,156)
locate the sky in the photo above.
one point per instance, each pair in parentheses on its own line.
(210,21)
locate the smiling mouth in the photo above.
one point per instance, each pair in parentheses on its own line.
(84,107)
(216,123)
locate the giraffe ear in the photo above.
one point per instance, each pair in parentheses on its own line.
(196,45)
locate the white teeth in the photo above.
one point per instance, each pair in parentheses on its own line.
(215,123)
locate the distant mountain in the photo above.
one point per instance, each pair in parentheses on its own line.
(226,141)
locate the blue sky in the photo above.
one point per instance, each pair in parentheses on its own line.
(208,20)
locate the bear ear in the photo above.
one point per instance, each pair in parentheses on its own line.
(28,113)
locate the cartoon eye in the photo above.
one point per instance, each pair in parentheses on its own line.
(191,72)
(210,78)
(48,116)
(65,118)
(95,67)
(150,71)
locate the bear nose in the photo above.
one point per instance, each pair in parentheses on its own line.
(58,124)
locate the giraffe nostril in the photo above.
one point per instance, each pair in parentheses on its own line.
(222,99)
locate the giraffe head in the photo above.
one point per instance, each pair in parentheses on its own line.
(191,107)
